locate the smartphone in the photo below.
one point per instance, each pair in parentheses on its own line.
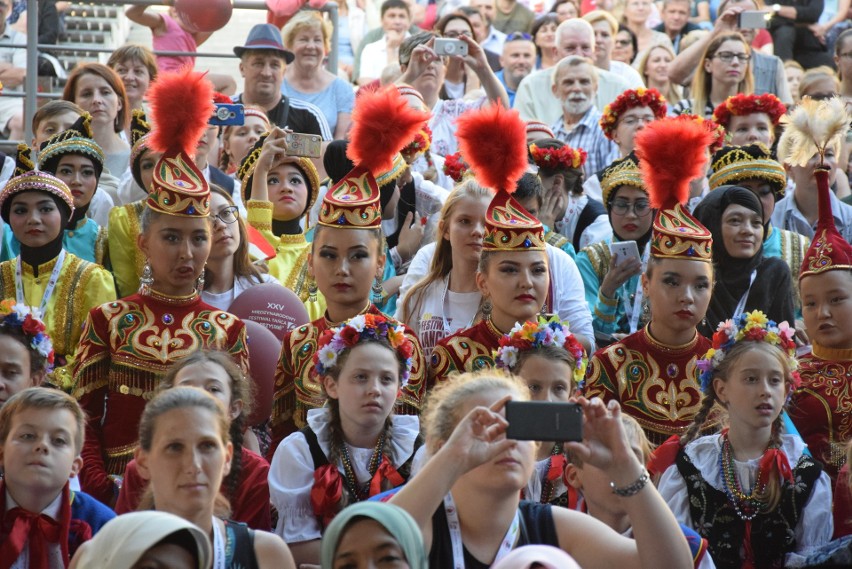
(450,46)
(753,20)
(544,421)
(625,250)
(308,145)
(228,114)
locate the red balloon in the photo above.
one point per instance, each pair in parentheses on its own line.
(204,15)
(263,349)
(270,304)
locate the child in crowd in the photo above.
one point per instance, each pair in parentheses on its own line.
(550,360)
(466,498)
(353,448)
(185,454)
(751,491)
(62,286)
(346,258)
(245,486)
(26,352)
(44,521)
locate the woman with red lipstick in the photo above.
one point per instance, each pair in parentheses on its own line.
(752,491)
(185,453)
(652,372)
(355,447)
(346,260)
(128,345)
(229,271)
(75,158)
(278,191)
(725,71)
(613,291)
(44,276)
(513,274)
(746,279)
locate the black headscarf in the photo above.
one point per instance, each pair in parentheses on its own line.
(772,290)
(35,256)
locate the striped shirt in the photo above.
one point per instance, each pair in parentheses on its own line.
(588,135)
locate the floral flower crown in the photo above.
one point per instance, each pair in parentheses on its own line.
(421,143)
(712,126)
(742,104)
(455,167)
(332,343)
(18,316)
(631,99)
(558,158)
(537,334)
(751,326)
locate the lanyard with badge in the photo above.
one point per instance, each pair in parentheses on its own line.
(51,283)
(635,309)
(738,311)
(456,538)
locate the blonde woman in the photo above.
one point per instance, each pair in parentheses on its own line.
(308,36)
(725,70)
(654,69)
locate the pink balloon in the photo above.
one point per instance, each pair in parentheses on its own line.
(264,349)
(204,15)
(272,305)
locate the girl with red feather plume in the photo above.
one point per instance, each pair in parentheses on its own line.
(513,274)
(652,373)
(347,255)
(128,345)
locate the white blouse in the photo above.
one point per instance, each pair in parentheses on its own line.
(814,528)
(291,474)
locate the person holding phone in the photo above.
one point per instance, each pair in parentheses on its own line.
(611,273)
(652,372)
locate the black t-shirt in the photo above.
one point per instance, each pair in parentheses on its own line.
(298,116)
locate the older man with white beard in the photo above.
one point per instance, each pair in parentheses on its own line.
(575,84)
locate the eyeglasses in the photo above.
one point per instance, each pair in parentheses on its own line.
(228,215)
(517,36)
(633,121)
(728,57)
(456,35)
(641,208)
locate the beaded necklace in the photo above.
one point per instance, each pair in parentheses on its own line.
(361,492)
(747,506)
(547,486)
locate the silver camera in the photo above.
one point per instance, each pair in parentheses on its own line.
(450,46)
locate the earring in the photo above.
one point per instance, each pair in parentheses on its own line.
(486,308)
(704,321)
(377,291)
(312,291)
(199,282)
(147,278)
(646,309)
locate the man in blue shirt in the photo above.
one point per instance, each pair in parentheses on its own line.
(518,61)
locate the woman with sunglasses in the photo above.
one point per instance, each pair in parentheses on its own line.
(725,70)
(229,269)
(612,283)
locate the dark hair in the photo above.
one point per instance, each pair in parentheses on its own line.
(412,41)
(549,18)
(54,108)
(634,42)
(390,4)
(184,539)
(447,18)
(529,186)
(37,361)
(112,79)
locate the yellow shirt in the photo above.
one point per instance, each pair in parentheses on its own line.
(290,264)
(81,286)
(125,256)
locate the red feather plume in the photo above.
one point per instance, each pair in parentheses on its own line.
(383,123)
(493,140)
(181,104)
(671,154)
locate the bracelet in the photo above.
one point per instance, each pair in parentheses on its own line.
(633,489)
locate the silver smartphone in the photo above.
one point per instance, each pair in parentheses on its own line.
(753,20)
(625,250)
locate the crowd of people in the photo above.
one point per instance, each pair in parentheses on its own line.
(638,210)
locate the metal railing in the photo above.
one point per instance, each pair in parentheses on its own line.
(31,94)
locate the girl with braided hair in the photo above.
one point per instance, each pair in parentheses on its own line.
(354,447)
(752,491)
(245,486)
